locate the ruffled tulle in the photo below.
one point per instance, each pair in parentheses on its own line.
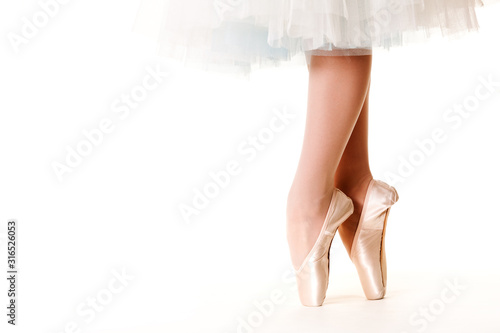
(243,35)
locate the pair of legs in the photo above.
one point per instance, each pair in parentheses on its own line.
(334,152)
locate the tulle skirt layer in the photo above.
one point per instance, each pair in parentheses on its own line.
(242,35)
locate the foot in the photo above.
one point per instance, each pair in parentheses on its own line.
(313,274)
(304,220)
(357,192)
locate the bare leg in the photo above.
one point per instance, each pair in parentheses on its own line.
(338,86)
(353,174)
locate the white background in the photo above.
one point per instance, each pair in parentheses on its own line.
(118,210)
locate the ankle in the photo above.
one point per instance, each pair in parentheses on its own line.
(355,188)
(307,207)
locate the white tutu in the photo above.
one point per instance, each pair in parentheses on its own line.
(242,35)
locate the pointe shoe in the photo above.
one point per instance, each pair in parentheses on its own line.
(312,276)
(367,250)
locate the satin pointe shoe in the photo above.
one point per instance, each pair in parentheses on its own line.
(313,274)
(367,251)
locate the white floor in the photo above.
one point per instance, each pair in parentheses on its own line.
(417,302)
